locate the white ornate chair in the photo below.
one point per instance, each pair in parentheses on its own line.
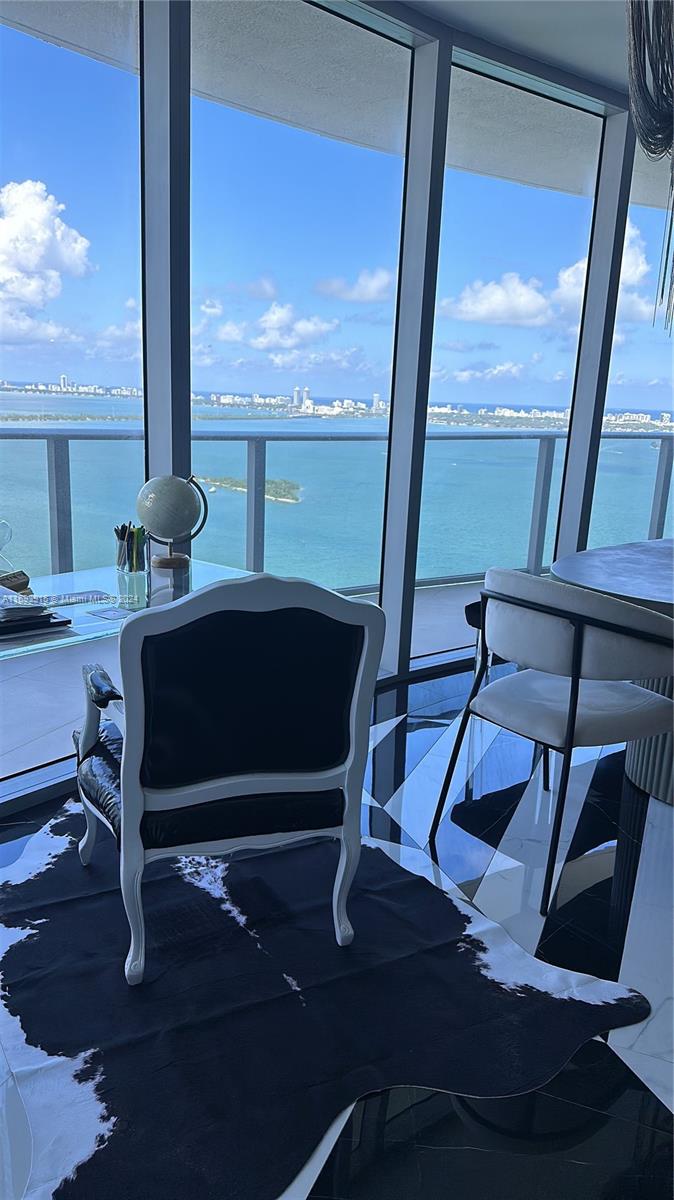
(577,650)
(247,710)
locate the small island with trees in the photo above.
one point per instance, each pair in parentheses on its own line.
(286,491)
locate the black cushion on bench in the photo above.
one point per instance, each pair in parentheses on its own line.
(98,776)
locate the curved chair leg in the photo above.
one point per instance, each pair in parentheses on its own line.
(556,830)
(349,854)
(87,843)
(131,878)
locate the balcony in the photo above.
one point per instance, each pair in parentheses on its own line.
(440,595)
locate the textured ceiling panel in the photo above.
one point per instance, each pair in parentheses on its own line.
(298,64)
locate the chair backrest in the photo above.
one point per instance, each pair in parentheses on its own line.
(534,638)
(256,677)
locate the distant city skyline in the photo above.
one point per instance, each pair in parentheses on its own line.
(290,287)
(302,403)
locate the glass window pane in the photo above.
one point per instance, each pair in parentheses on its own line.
(518,195)
(70,340)
(637,424)
(298,132)
(70,211)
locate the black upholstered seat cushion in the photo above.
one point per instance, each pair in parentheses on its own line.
(98,776)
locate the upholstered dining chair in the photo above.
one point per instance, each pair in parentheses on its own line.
(247,710)
(577,650)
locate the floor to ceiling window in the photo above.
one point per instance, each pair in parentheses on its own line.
(518,197)
(632,496)
(298,131)
(71,405)
(70,377)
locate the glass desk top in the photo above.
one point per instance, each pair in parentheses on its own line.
(108,596)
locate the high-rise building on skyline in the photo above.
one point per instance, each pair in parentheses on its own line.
(63,382)
(296,397)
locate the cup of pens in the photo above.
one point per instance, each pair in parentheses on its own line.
(131,548)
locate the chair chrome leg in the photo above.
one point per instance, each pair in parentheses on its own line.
(444,790)
(556,830)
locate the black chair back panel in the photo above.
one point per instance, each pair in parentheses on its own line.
(238,692)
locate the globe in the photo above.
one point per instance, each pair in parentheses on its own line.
(169,508)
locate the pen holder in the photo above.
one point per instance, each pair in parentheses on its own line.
(131,551)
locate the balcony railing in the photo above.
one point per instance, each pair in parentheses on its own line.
(60,496)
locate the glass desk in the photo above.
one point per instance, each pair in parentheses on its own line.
(104,589)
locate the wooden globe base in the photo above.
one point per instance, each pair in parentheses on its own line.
(171,562)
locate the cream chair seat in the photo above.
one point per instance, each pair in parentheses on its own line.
(536,705)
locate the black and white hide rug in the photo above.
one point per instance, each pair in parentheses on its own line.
(217,1077)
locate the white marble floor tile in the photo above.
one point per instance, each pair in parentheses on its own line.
(413,804)
(510,891)
(379,732)
(647,957)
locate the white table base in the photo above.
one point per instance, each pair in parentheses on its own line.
(648,762)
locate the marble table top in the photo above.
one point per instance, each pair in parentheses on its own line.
(640,572)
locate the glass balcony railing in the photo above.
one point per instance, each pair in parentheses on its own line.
(271,510)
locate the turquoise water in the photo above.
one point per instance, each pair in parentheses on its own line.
(476,502)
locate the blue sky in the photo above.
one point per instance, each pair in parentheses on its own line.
(294,251)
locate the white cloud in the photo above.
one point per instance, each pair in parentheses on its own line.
(506,370)
(350,359)
(281,330)
(508,301)
(277,316)
(121,343)
(211,308)
(231,331)
(568,295)
(536,357)
(131,303)
(632,305)
(308,329)
(262,289)
(203,355)
(36,249)
(463,347)
(558,376)
(635,266)
(371,287)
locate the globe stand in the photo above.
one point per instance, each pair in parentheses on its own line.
(173,561)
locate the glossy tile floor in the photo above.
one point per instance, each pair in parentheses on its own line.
(602,1129)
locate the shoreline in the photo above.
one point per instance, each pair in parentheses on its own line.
(534,425)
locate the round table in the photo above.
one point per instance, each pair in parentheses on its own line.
(641,573)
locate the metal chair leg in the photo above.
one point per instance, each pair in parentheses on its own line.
(546,769)
(454,757)
(556,830)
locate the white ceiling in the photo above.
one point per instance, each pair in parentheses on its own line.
(303,66)
(586,37)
